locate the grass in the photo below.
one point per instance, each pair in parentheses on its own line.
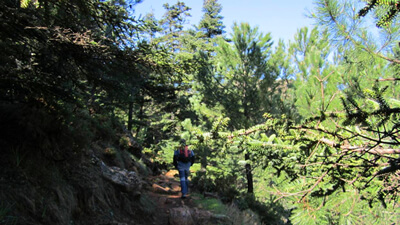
(216,207)
(211,204)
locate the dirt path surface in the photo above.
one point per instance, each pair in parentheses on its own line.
(165,194)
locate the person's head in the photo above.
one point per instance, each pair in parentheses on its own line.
(182,143)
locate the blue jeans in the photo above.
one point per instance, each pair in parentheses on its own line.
(183,176)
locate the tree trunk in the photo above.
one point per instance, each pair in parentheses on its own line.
(130,113)
(140,116)
(249,175)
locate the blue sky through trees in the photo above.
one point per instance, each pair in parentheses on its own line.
(281,18)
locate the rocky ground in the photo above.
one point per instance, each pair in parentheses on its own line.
(172,210)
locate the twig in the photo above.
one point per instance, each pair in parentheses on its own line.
(315,185)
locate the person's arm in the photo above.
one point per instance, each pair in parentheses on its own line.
(175,160)
(192,159)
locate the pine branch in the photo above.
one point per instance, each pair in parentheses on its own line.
(347,34)
(379,150)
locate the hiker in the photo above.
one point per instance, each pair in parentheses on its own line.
(183,160)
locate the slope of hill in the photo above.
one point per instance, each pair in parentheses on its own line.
(103,184)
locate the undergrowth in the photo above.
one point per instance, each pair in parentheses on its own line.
(216,206)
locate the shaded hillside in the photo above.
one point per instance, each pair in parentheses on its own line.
(85,190)
(108,182)
(78,190)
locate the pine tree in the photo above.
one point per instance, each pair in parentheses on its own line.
(211,23)
(245,74)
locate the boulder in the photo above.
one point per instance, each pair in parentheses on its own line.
(180,216)
(194,216)
(128,181)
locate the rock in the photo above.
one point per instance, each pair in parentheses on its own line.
(162,201)
(128,180)
(191,216)
(172,173)
(159,189)
(180,216)
(175,187)
(221,219)
(168,201)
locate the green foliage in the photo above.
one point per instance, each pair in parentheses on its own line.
(389,8)
(317,81)
(218,208)
(26,3)
(212,204)
(343,208)
(124,142)
(220,179)
(211,23)
(326,169)
(312,121)
(244,74)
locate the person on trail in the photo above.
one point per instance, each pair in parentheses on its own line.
(183,160)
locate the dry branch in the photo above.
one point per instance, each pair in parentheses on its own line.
(377,150)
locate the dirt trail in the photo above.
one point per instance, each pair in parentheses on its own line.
(165,194)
